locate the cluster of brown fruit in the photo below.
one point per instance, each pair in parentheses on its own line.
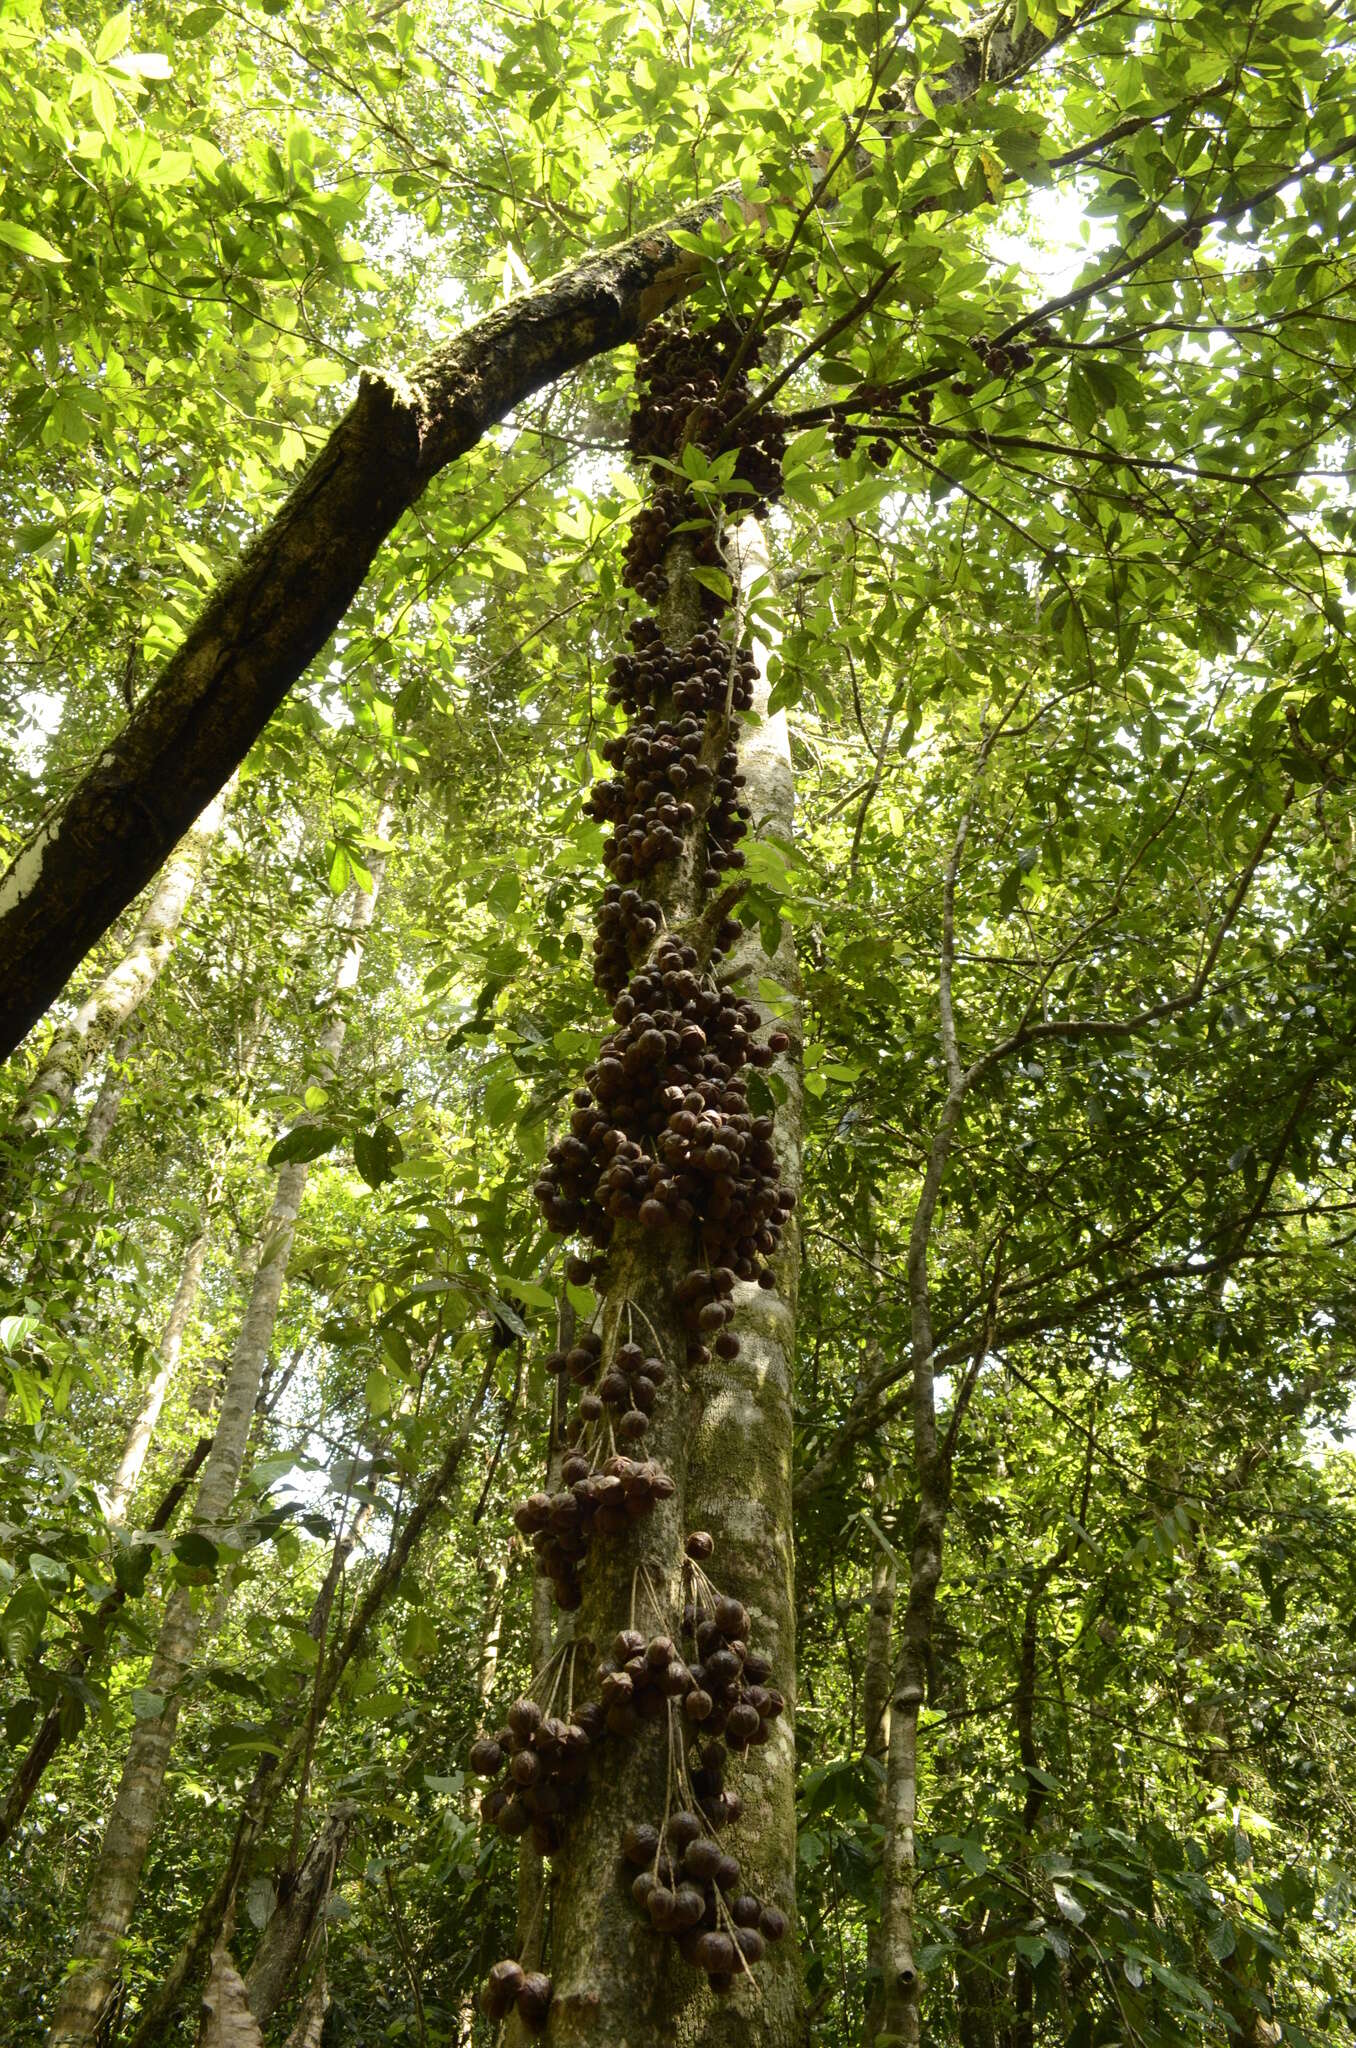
(508,1985)
(696,678)
(663,1134)
(540,1761)
(687,1884)
(651,530)
(651,805)
(731,1697)
(602,1495)
(683,376)
(914,420)
(625,925)
(1005,358)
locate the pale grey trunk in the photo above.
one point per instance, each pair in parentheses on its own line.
(491,1626)
(310,2027)
(115,999)
(295,1920)
(227,2021)
(897,2015)
(878,1675)
(168,1351)
(99,1125)
(740,1457)
(117,1869)
(724,1433)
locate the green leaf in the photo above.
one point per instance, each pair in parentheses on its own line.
(113,35)
(304,1142)
(22,1621)
(858,498)
(377,1153)
(28,243)
(714,580)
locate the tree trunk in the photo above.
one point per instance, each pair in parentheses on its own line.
(294,1920)
(739,1459)
(99,1124)
(878,1675)
(117,1869)
(263,626)
(169,1350)
(53,1726)
(722,1431)
(115,999)
(272,1774)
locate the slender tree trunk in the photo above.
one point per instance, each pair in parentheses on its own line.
(877,1685)
(878,1675)
(106,1011)
(292,1924)
(117,1870)
(261,628)
(107,1103)
(168,1351)
(491,1626)
(272,1774)
(898,2013)
(52,1728)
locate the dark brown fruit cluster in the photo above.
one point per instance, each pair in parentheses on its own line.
(687,1885)
(730,1695)
(540,1762)
(626,926)
(999,358)
(693,678)
(662,770)
(681,375)
(652,528)
(508,1985)
(598,1500)
(913,418)
(659,771)
(663,1133)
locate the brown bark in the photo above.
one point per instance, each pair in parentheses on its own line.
(117,1868)
(263,626)
(293,1923)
